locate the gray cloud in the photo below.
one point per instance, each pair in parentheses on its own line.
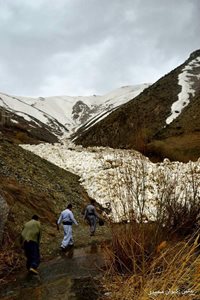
(84,47)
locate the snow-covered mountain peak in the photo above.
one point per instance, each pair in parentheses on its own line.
(64,114)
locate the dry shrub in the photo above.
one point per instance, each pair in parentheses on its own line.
(132,247)
(157,259)
(173,273)
(150,257)
(182,215)
(10,259)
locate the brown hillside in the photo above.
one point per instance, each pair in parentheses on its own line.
(181,139)
(31,185)
(20,131)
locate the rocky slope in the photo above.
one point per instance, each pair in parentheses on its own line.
(15,128)
(31,185)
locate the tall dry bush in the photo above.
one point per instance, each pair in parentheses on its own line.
(173,274)
(132,248)
(136,245)
(182,208)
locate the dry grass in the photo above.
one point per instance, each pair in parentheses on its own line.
(156,259)
(132,247)
(178,276)
(172,271)
(177,148)
(10,259)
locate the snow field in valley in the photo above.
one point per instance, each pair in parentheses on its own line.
(124,180)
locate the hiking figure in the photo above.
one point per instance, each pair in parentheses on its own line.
(67,219)
(30,238)
(91,216)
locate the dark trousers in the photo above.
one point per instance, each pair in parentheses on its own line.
(32,253)
(92,221)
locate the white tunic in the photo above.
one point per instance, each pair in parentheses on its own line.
(67,216)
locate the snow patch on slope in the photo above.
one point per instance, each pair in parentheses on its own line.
(186,81)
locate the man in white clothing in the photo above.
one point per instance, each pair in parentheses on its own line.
(67,219)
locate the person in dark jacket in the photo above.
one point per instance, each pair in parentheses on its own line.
(91,216)
(30,236)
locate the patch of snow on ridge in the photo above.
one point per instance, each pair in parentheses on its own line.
(185,80)
(123,179)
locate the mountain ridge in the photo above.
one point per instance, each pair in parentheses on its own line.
(62,115)
(140,123)
(159,120)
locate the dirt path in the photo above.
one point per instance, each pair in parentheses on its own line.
(72,275)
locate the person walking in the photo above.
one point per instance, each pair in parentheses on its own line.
(91,216)
(30,238)
(67,219)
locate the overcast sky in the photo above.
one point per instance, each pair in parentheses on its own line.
(84,47)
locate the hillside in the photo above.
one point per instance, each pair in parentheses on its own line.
(181,139)
(160,113)
(15,128)
(31,185)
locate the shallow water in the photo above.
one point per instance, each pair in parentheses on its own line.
(72,275)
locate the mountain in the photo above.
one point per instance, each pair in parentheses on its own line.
(159,120)
(17,129)
(162,121)
(49,119)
